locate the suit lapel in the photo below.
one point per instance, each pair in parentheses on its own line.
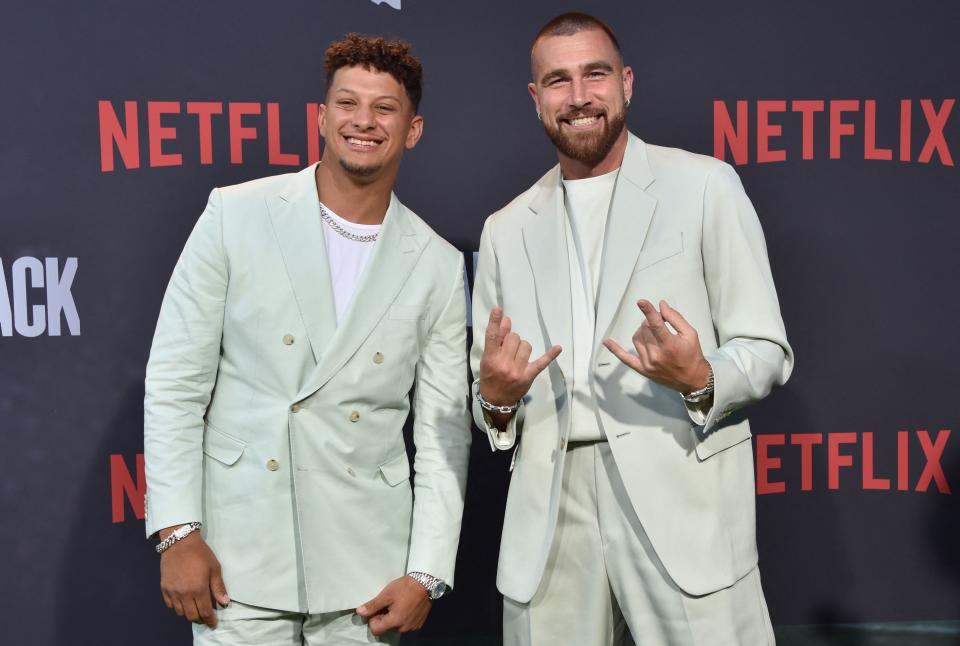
(631,210)
(295,216)
(397,250)
(545,242)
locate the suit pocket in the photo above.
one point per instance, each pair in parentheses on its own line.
(396,470)
(222,447)
(659,252)
(720,440)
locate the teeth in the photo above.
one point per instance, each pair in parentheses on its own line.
(362,142)
(582,121)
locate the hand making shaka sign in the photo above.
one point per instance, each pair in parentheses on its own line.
(506,371)
(672,360)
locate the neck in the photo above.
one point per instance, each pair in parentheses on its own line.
(575,169)
(354,201)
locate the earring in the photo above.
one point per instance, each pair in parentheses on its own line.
(628,103)
(538,116)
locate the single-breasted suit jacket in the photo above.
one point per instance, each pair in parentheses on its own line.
(281,430)
(680,228)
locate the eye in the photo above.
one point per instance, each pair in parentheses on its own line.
(385,107)
(345,103)
(596,74)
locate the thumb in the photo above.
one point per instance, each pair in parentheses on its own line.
(218,588)
(374,606)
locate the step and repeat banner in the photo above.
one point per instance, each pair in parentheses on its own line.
(119,117)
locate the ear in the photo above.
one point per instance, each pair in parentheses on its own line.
(322,118)
(627,83)
(532,89)
(415,131)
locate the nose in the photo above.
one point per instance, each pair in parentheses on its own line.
(578,94)
(363,118)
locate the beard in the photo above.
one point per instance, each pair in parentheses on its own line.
(587,148)
(360,172)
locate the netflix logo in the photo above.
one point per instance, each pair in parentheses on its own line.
(853,452)
(174,128)
(756,131)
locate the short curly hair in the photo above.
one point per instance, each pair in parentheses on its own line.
(375,52)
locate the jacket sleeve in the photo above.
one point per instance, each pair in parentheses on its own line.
(753,353)
(441,433)
(181,373)
(486,296)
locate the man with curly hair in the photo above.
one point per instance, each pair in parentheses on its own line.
(303,311)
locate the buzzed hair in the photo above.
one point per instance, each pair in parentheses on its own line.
(568,24)
(377,53)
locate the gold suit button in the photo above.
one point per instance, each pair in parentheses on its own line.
(295,408)
(378,357)
(287,339)
(273,465)
(354,416)
(563,444)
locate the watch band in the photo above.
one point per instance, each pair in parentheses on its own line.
(700,395)
(435,587)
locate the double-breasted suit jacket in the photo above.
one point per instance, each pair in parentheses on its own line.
(281,430)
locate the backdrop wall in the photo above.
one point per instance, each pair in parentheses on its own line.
(118,118)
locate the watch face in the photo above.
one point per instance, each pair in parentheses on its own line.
(438,590)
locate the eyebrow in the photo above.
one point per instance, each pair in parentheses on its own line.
(589,67)
(379,98)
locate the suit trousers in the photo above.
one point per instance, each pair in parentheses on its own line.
(241,625)
(603,577)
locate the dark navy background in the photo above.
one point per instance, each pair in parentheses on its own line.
(864,254)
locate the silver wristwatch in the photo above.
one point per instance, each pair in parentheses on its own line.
(702,394)
(178,534)
(435,587)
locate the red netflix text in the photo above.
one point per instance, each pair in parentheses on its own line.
(166,121)
(883,132)
(854,453)
(127,486)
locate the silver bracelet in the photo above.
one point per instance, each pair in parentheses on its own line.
(702,394)
(178,534)
(485,405)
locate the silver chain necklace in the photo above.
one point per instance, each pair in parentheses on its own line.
(333,224)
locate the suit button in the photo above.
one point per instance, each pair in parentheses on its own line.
(378,357)
(273,465)
(287,339)
(295,408)
(354,416)
(351,472)
(563,444)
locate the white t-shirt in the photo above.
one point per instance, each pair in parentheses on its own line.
(587,203)
(347,258)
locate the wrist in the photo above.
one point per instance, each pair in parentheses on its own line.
(701,378)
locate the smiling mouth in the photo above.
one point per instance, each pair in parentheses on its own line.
(584,121)
(363,144)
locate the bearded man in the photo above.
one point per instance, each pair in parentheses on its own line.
(631,503)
